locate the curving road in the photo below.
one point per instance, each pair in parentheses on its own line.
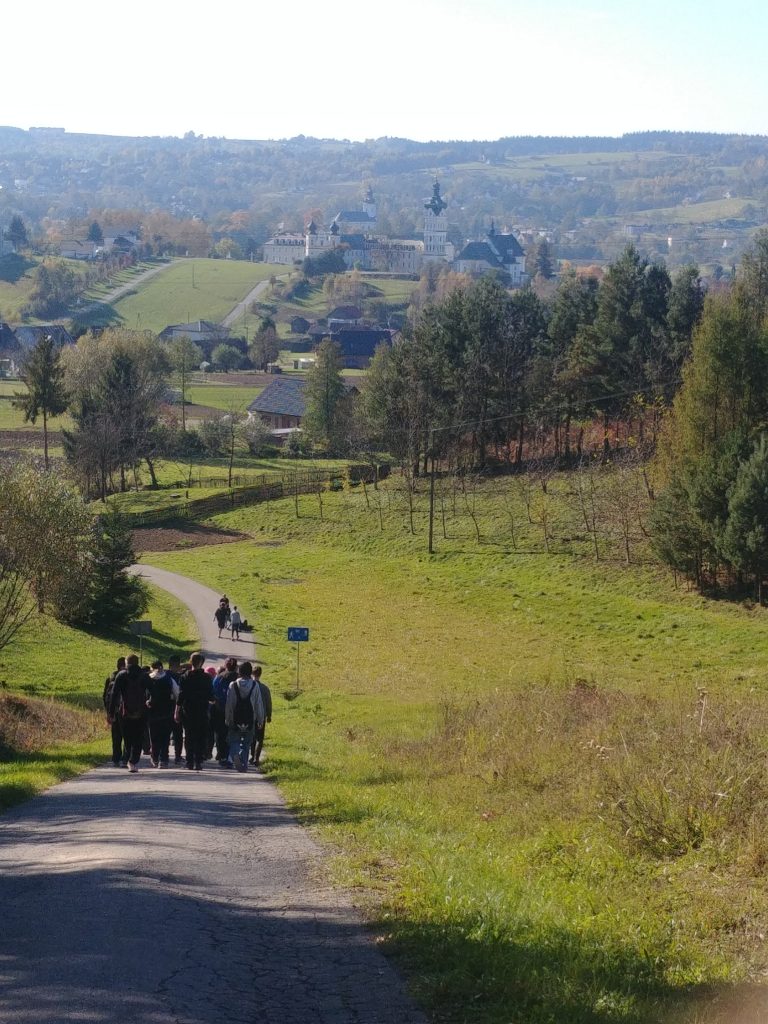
(172,897)
(202,602)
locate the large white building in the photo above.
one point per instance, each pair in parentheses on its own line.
(353,233)
(500,252)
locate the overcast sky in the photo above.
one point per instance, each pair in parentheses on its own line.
(419,69)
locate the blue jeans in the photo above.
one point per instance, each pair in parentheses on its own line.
(240,743)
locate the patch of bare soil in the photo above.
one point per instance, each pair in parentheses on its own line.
(203,412)
(28,724)
(182,535)
(28,438)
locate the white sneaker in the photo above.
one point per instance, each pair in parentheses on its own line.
(133,768)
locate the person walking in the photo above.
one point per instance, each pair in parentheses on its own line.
(129,700)
(221,686)
(119,754)
(177,729)
(162,692)
(244,714)
(235,621)
(192,707)
(221,615)
(257,744)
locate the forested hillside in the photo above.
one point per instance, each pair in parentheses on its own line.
(684,196)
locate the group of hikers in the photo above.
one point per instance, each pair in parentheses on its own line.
(228,618)
(194,707)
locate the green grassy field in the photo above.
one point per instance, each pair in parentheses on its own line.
(315,304)
(473,733)
(119,278)
(13,419)
(179,479)
(49,660)
(223,396)
(695,213)
(191,289)
(17,282)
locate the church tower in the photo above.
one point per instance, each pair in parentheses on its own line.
(369,204)
(435,225)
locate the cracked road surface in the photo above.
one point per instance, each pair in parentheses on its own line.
(177,897)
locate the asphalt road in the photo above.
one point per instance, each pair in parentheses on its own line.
(202,602)
(177,897)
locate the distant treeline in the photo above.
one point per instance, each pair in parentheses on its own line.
(244,189)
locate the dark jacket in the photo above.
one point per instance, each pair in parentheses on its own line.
(161,700)
(109,685)
(266,698)
(132,677)
(221,686)
(195,693)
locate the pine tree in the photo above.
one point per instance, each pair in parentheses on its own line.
(43,374)
(745,540)
(95,234)
(114,596)
(17,232)
(324,418)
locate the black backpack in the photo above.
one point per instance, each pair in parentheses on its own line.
(134,696)
(161,695)
(242,717)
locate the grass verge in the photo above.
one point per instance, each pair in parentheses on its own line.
(544,775)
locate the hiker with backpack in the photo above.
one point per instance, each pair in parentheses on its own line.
(257,743)
(119,754)
(221,686)
(192,709)
(162,689)
(244,714)
(129,701)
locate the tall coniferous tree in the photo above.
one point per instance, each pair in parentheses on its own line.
(324,398)
(46,396)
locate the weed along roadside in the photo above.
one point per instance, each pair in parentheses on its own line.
(542,774)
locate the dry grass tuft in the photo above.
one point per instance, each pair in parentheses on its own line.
(28,725)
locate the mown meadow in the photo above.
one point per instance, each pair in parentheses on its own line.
(542,766)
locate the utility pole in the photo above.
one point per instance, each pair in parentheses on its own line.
(432,491)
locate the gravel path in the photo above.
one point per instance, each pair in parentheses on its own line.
(175,897)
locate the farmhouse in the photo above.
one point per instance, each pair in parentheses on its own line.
(282,403)
(199,331)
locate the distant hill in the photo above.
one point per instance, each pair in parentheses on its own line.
(681,195)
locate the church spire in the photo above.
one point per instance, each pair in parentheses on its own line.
(436,204)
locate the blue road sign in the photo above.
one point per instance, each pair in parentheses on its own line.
(296,634)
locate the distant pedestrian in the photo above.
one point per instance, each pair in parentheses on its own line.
(235,621)
(192,707)
(244,714)
(221,615)
(119,754)
(257,744)
(129,700)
